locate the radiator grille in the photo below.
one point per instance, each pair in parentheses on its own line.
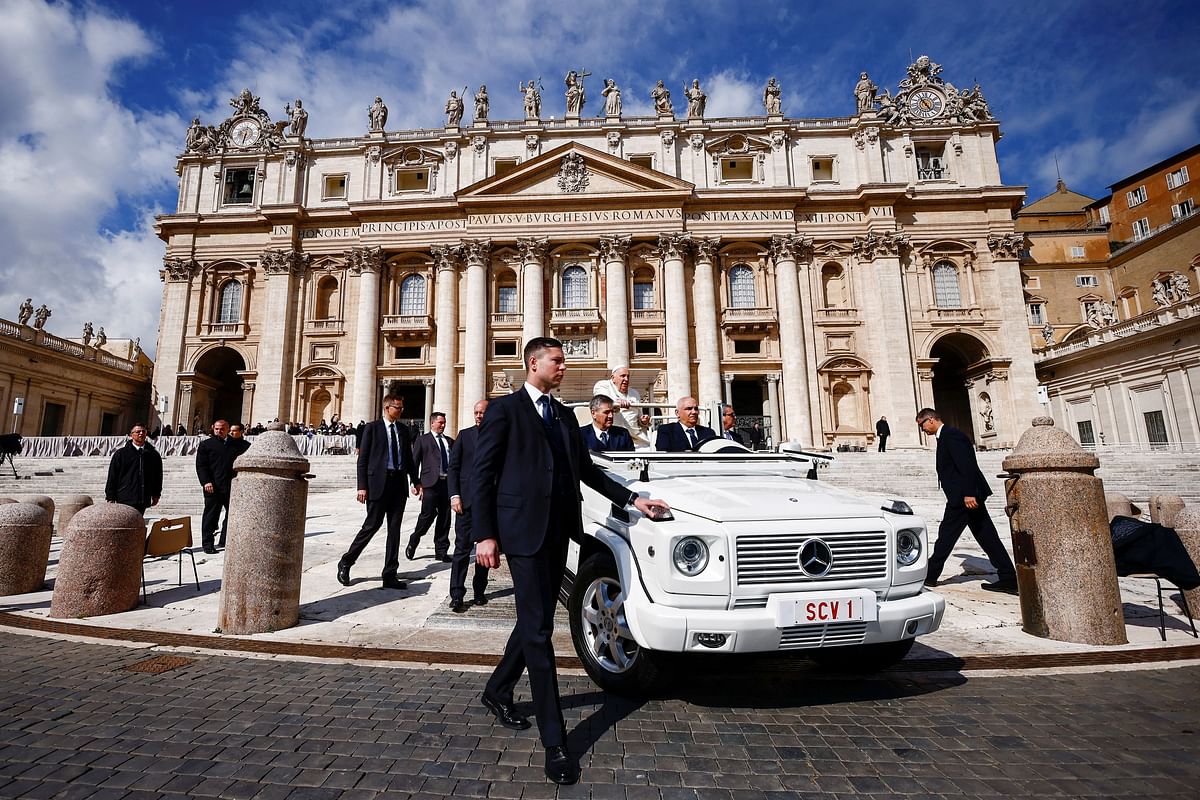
(799,637)
(771,557)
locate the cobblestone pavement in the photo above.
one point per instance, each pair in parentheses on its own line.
(75,722)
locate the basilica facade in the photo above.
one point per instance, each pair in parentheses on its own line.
(815,273)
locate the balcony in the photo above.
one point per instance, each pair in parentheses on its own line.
(835,316)
(647,316)
(748,320)
(954,316)
(502,321)
(223,330)
(574,320)
(323,326)
(407,327)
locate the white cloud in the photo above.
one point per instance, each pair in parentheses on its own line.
(731,94)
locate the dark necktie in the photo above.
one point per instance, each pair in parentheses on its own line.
(691,432)
(604,440)
(445,457)
(547,414)
(395,438)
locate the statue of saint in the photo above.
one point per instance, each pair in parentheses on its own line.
(87,333)
(481,104)
(864,94)
(1182,287)
(137,348)
(1048,334)
(298,117)
(40,316)
(26,311)
(696,100)
(773,98)
(101,337)
(576,96)
(533,100)
(661,96)
(1159,292)
(377,114)
(612,98)
(454,108)
(195,133)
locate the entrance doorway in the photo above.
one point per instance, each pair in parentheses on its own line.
(218,368)
(750,405)
(955,355)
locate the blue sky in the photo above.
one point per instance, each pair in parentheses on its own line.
(95,97)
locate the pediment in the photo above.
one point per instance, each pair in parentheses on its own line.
(738,144)
(574,170)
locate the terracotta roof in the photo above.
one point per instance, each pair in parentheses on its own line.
(1061,201)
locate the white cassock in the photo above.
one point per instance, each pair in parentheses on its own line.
(608,389)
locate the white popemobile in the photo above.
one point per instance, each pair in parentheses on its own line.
(756,557)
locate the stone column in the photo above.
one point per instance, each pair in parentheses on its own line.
(476,253)
(727,380)
(274,350)
(176,276)
(365,264)
(797,426)
(248,401)
(183,409)
(429,409)
(773,406)
(704,302)
(616,313)
(445,379)
(671,249)
(533,302)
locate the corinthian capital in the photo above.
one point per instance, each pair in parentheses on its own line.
(476,251)
(706,247)
(1009,245)
(533,249)
(791,247)
(881,245)
(614,248)
(282,262)
(364,259)
(178,269)
(447,256)
(673,245)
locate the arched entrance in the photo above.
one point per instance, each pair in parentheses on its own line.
(318,406)
(217,378)
(958,355)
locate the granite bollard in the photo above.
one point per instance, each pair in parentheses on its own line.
(1119,505)
(1066,572)
(100,568)
(1164,508)
(24,547)
(42,500)
(69,506)
(260,585)
(1187,526)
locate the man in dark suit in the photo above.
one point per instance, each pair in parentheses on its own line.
(882,432)
(459,481)
(966,490)
(684,435)
(384,460)
(135,474)
(529,461)
(431,451)
(728,424)
(602,435)
(214,468)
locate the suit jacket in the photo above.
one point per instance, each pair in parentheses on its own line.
(958,470)
(130,484)
(672,439)
(461,477)
(428,456)
(373,458)
(514,475)
(214,461)
(734,436)
(619,439)
(882,428)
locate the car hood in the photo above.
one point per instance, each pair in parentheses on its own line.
(760,497)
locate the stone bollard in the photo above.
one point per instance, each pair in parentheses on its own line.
(6,500)
(1164,508)
(1187,525)
(71,505)
(24,547)
(1118,505)
(39,500)
(260,586)
(1066,572)
(100,568)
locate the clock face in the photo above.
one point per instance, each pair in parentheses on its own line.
(925,104)
(244,133)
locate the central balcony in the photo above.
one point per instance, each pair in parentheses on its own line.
(648,316)
(407,327)
(506,320)
(748,320)
(575,320)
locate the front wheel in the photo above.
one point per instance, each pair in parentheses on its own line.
(600,632)
(863,657)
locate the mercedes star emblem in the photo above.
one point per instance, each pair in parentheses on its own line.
(815,558)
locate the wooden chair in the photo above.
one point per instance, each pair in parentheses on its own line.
(169,537)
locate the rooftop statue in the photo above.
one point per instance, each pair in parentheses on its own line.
(377,115)
(533,99)
(87,333)
(576,96)
(298,117)
(101,337)
(26,311)
(454,108)
(773,98)
(661,96)
(864,93)
(40,316)
(696,100)
(481,104)
(612,98)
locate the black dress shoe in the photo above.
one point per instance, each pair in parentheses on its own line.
(344,574)
(458,606)
(445,559)
(1006,587)
(931,582)
(506,714)
(394,583)
(212,551)
(410,551)
(560,767)
(480,600)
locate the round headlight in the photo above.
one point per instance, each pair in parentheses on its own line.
(908,547)
(690,555)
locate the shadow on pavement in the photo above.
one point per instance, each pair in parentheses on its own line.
(163,597)
(592,728)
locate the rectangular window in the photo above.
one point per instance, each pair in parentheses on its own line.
(1141,228)
(1034,283)
(1037,314)
(1184,209)
(1136,196)
(239,186)
(1177,178)
(1086,280)
(737,169)
(412,181)
(643,296)
(408,353)
(504,349)
(52,419)
(334,187)
(1104,218)
(747,346)
(822,168)
(931,164)
(1087,436)
(503,166)
(1156,429)
(642,161)
(506,300)
(1076,252)
(645,347)
(108,424)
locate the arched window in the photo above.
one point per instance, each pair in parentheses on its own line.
(230,309)
(946,293)
(327,298)
(412,296)
(741,287)
(643,290)
(574,287)
(506,293)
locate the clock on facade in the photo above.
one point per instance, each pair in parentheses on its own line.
(925,104)
(245,133)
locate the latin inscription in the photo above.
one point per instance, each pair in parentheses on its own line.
(786,215)
(578,217)
(826,217)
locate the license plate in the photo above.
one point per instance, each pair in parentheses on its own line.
(823,608)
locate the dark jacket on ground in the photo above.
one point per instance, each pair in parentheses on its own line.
(1149,547)
(131,482)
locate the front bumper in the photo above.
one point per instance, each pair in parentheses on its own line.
(753,630)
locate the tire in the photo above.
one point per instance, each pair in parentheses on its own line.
(863,657)
(603,642)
